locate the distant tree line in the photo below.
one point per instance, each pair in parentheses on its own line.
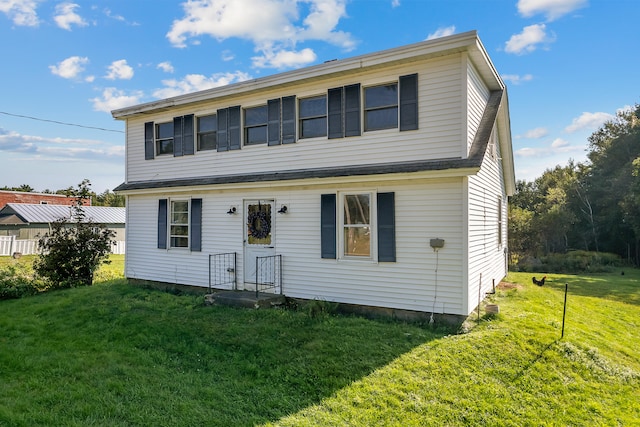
(106,198)
(592,206)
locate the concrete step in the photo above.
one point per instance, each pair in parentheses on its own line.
(247,299)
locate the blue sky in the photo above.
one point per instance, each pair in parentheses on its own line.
(569,66)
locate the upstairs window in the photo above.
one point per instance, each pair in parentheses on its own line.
(312,114)
(381,107)
(255,125)
(164,138)
(207,128)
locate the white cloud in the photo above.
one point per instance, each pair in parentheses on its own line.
(227,55)
(588,121)
(552,9)
(284,59)
(113,99)
(442,32)
(534,133)
(197,82)
(119,70)
(109,14)
(516,79)
(528,40)
(166,67)
(66,16)
(58,148)
(21,12)
(526,152)
(395,3)
(556,147)
(272,25)
(70,68)
(560,144)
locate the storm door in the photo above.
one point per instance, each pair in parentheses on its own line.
(259,236)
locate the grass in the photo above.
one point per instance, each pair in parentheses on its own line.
(114,354)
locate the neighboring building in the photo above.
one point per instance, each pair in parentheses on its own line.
(25,223)
(37,198)
(381,180)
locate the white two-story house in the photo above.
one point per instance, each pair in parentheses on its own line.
(379,180)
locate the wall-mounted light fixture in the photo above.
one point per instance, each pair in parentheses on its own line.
(283,209)
(232,210)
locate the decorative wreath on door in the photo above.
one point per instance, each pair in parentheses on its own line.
(259,224)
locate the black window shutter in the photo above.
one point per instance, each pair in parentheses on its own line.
(289,119)
(386,227)
(334,98)
(409,102)
(234,128)
(222,134)
(177,136)
(273,122)
(162,224)
(195,238)
(188,142)
(148,141)
(352,110)
(328,226)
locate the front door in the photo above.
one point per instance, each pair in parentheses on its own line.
(259,237)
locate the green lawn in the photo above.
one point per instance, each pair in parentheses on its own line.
(114,354)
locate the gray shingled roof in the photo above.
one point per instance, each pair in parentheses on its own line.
(35,213)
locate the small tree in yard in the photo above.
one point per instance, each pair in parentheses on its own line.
(75,247)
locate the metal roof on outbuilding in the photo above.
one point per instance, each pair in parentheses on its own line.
(36,213)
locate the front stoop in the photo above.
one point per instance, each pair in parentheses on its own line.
(247,299)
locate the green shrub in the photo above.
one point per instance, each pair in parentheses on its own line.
(572,262)
(17,281)
(74,249)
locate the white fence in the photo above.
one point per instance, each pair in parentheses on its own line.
(10,245)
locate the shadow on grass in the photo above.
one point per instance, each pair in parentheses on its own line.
(122,355)
(525,369)
(614,286)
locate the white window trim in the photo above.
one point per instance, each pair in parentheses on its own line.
(170,223)
(299,119)
(157,139)
(373,216)
(364,110)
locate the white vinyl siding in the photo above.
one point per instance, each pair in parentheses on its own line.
(439,134)
(486,254)
(425,209)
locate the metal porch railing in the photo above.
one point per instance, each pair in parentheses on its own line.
(269,273)
(222,271)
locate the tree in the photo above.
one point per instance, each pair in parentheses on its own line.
(75,247)
(107,198)
(25,188)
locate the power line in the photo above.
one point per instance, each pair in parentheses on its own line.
(60,123)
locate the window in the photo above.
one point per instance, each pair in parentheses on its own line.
(356,225)
(313,117)
(255,125)
(164,138)
(381,107)
(207,127)
(362,225)
(179,225)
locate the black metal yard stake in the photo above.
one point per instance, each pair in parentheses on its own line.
(564,313)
